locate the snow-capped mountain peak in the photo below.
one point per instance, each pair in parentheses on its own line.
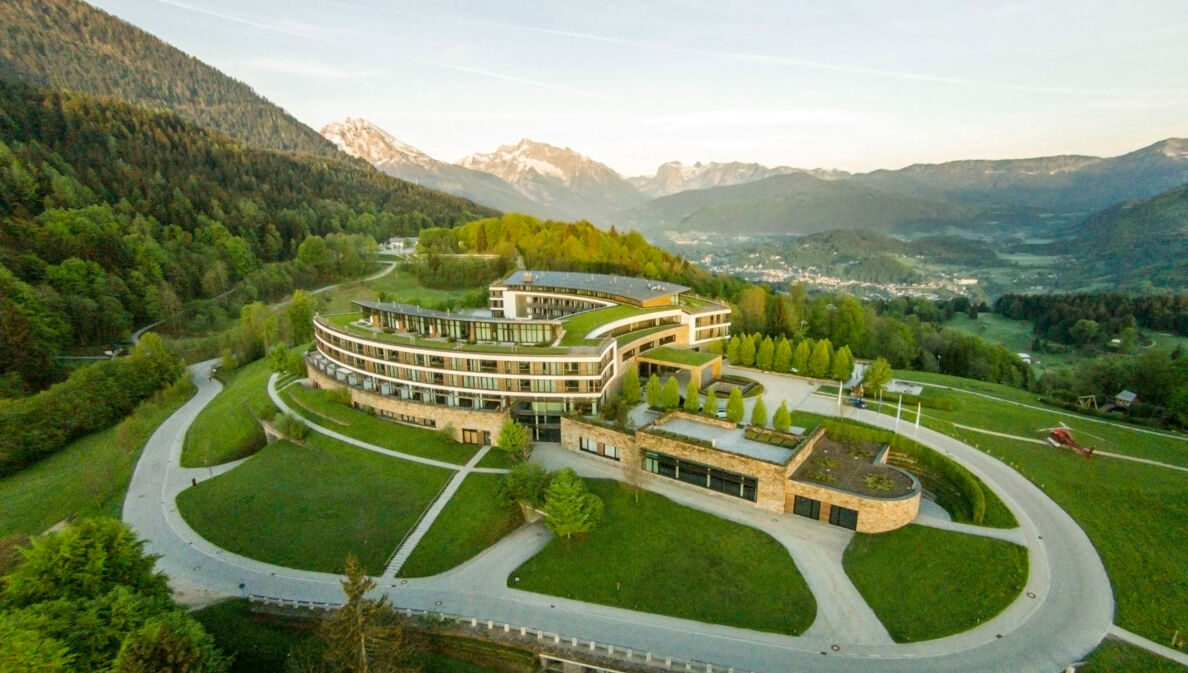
(360,138)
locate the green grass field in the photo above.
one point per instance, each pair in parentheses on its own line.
(308,507)
(1004,414)
(225,430)
(1133,513)
(925,583)
(401,286)
(1114,656)
(474,519)
(679,562)
(89,476)
(318,407)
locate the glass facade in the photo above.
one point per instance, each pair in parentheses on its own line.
(705,476)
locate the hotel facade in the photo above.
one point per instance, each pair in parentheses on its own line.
(550,344)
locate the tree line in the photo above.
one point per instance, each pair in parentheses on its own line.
(1083,317)
(113,217)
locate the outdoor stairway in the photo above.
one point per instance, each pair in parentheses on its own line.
(426,521)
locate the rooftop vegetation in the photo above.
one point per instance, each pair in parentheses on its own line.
(679,356)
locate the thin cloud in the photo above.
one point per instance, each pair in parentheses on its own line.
(777,60)
(504,77)
(274,28)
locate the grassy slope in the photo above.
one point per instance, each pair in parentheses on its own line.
(315,405)
(1133,513)
(402,286)
(475,518)
(89,476)
(977,411)
(682,563)
(308,507)
(925,583)
(224,430)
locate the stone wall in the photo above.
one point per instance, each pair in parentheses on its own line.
(770,491)
(455,417)
(874,515)
(572,430)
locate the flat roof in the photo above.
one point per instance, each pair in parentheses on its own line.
(639,289)
(410,309)
(729,440)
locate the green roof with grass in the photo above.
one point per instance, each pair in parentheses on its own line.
(679,356)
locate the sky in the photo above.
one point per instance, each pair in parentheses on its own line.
(848,84)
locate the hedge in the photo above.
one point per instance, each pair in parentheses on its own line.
(956,489)
(93,398)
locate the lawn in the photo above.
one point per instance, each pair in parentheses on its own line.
(318,407)
(925,583)
(308,507)
(977,410)
(660,557)
(581,324)
(1115,656)
(474,519)
(89,476)
(225,430)
(401,287)
(1133,513)
(800,419)
(678,356)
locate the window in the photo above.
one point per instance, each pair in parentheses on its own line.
(807,507)
(844,517)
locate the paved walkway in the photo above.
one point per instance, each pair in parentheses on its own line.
(1070,613)
(409,544)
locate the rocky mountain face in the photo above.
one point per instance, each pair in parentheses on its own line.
(559,178)
(1060,183)
(674,176)
(360,138)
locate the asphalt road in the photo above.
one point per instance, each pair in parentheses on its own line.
(1071,611)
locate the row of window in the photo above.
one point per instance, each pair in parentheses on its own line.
(467,381)
(581,292)
(459,364)
(713,319)
(403,418)
(706,476)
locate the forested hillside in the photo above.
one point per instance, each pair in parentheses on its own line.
(1138,245)
(576,246)
(112,216)
(70,45)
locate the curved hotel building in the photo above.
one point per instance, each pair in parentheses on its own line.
(550,343)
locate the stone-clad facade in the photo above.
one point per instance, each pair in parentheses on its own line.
(774,488)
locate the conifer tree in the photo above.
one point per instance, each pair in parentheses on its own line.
(692,398)
(783,418)
(631,386)
(670,396)
(732,350)
(782,360)
(800,357)
(746,352)
(569,508)
(364,635)
(765,354)
(818,365)
(842,365)
(734,407)
(759,413)
(652,392)
(710,406)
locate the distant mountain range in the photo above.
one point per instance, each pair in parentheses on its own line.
(983,197)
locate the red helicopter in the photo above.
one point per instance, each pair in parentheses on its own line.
(1061,435)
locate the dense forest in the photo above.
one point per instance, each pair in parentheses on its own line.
(113,216)
(1099,316)
(70,45)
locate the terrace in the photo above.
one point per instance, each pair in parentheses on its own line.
(730,440)
(355,325)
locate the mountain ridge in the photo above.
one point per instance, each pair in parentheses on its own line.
(367,141)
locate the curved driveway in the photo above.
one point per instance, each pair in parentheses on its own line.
(1070,613)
